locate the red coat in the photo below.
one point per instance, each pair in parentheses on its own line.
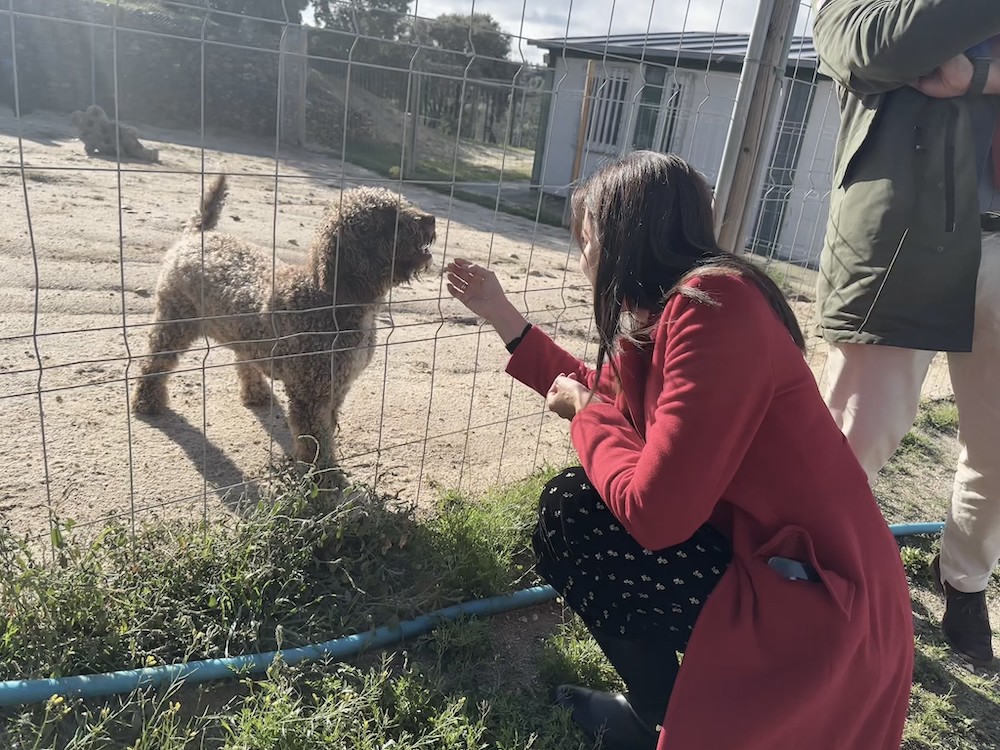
(729,426)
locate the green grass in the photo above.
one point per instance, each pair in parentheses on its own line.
(939,416)
(383,159)
(951,707)
(299,571)
(433,698)
(917,442)
(288,570)
(917,482)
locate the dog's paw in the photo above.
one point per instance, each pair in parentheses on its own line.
(256,398)
(148,401)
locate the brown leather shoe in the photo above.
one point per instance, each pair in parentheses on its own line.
(966,621)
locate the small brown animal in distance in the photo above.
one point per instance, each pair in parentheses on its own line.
(99,136)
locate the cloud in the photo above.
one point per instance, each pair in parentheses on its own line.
(557,18)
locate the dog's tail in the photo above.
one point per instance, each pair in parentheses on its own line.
(211,206)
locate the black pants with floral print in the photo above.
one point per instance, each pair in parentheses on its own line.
(609,580)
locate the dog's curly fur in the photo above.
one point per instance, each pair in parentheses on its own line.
(315,331)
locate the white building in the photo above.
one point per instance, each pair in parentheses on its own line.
(675,93)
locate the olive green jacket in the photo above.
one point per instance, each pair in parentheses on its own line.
(903,239)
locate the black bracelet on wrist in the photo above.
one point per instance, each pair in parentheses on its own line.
(980,75)
(514,342)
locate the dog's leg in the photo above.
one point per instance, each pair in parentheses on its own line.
(171,336)
(254,390)
(336,401)
(308,423)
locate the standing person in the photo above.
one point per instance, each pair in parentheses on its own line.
(911,261)
(717,511)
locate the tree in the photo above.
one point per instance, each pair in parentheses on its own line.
(461,39)
(270,9)
(370,30)
(378,19)
(474,49)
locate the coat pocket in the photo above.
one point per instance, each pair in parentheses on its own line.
(795,543)
(855,137)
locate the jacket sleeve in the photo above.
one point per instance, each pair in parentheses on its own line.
(538,360)
(717,387)
(874,46)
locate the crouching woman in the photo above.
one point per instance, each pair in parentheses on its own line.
(717,510)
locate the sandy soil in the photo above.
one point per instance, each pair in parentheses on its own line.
(434,409)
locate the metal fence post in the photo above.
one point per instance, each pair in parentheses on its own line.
(292,79)
(755,114)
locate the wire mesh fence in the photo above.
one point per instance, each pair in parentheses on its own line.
(482,123)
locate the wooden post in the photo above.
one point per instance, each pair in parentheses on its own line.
(754,117)
(412,118)
(581,137)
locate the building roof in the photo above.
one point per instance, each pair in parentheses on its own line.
(679,47)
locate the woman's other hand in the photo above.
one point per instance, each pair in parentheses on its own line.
(567,396)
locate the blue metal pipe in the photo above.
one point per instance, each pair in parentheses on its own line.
(909,529)
(21,692)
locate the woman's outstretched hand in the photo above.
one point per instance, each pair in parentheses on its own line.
(475,287)
(567,396)
(479,290)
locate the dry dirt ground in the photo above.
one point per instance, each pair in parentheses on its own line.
(434,409)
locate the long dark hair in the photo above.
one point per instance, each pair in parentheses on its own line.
(649,217)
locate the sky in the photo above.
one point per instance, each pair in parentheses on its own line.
(539,19)
(559,18)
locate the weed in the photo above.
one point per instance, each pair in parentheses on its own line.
(915,442)
(916,563)
(572,656)
(940,415)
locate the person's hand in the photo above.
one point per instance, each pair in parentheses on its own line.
(475,287)
(479,290)
(567,396)
(948,81)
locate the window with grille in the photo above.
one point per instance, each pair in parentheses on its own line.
(780,176)
(659,104)
(607,109)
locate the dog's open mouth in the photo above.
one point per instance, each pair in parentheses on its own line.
(424,260)
(410,267)
(425,248)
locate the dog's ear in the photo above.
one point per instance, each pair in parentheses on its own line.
(344,256)
(341,253)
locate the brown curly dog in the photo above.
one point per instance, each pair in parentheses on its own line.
(314,331)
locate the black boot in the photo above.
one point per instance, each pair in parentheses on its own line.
(626,722)
(966,621)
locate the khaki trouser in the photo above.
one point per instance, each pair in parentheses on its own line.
(873,393)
